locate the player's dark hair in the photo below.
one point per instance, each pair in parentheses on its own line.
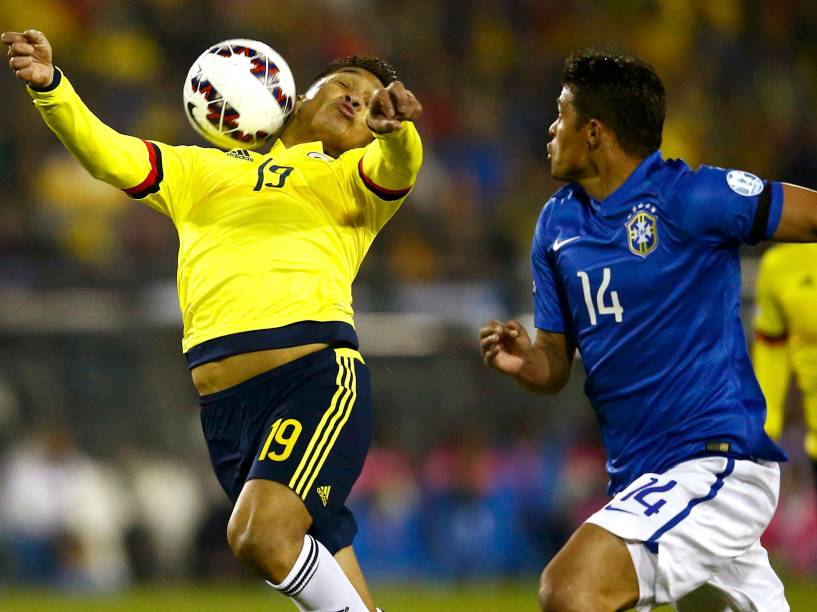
(381,69)
(622,92)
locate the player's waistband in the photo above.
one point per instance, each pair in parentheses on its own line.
(333,333)
(303,366)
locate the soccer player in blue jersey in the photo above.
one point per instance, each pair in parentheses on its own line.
(269,247)
(635,264)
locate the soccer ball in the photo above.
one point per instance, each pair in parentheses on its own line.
(238,93)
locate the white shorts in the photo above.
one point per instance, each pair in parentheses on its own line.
(694,532)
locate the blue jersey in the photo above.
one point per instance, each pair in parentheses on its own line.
(646,284)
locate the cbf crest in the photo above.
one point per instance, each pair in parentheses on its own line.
(642,230)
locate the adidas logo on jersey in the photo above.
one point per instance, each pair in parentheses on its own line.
(323,492)
(240,154)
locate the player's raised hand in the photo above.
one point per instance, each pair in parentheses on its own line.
(30,57)
(504,345)
(390,106)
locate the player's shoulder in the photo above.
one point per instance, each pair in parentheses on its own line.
(560,207)
(710,179)
(561,201)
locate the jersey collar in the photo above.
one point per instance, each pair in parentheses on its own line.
(309,147)
(632,183)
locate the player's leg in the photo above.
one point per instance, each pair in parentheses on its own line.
(288,445)
(267,532)
(593,571)
(748,583)
(347,560)
(685,527)
(316,452)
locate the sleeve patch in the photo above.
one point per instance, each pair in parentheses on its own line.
(154,178)
(381,192)
(744,183)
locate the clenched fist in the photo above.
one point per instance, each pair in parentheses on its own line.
(390,106)
(30,57)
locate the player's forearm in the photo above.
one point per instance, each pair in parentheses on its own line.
(119,160)
(393,160)
(798,221)
(544,370)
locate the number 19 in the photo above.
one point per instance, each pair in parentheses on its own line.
(284,433)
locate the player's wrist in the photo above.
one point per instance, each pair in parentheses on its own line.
(56,79)
(381,132)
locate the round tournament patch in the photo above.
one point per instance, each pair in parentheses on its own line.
(744,183)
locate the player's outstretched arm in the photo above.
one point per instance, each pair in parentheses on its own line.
(120,160)
(798,221)
(542,366)
(392,161)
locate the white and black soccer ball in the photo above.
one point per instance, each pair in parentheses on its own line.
(238,93)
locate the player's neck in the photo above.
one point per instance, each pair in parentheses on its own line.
(611,172)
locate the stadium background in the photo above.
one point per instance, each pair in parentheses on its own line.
(104,478)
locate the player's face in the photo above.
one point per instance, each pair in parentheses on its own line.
(568,149)
(334,109)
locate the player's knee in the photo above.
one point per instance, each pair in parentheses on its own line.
(268,548)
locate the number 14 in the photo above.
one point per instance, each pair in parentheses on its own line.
(614,309)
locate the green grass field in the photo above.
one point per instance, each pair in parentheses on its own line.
(250,597)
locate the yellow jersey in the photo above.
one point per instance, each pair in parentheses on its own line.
(268,244)
(786,333)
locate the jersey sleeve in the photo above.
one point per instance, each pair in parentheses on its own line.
(770,352)
(550,312)
(729,206)
(158,174)
(382,174)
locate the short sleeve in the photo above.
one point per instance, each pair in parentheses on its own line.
(729,206)
(550,311)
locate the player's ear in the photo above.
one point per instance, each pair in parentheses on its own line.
(594,129)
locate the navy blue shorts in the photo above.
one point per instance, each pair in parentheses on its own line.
(306,424)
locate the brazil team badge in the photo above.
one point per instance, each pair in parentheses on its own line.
(642,230)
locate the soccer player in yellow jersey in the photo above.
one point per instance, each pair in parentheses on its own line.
(786,335)
(268,248)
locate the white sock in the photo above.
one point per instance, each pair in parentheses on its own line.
(317,584)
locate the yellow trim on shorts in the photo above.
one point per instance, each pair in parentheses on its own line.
(333,420)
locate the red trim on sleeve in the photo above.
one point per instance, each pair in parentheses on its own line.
(381,192)
(771,340)
(152,176)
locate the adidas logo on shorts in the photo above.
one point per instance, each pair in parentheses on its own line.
(323,492)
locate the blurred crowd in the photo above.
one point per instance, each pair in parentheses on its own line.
(468,507)
(94,500)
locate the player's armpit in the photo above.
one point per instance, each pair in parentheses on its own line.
(798,221)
